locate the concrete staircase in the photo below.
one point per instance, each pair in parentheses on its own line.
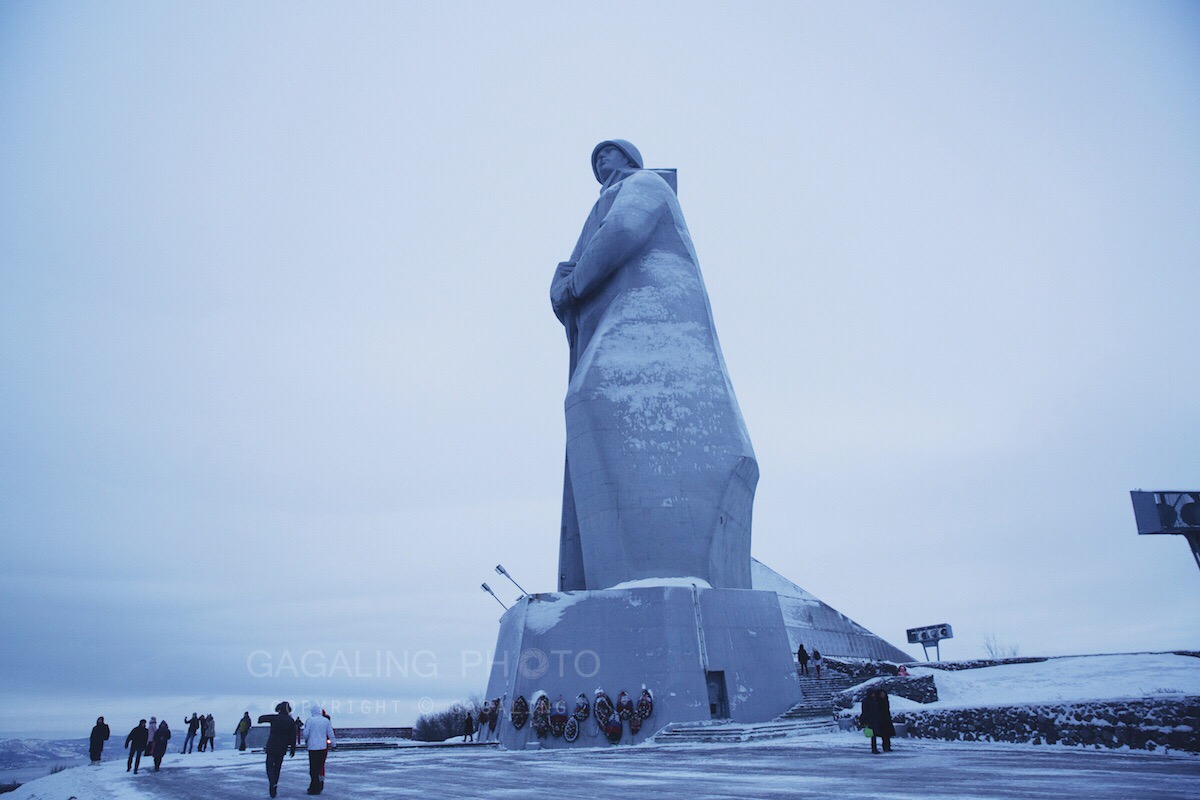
(816,697)
(724,732)
(813,714)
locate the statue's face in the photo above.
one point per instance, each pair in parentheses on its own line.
(609,159)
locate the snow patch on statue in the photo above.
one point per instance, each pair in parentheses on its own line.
(685,582)
(543,614)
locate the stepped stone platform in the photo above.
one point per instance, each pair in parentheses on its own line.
(813,714)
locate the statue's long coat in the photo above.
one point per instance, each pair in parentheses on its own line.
(660,473)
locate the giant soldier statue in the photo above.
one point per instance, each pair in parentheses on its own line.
(660,474)
(656,584)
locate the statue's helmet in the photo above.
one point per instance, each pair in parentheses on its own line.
(631,152)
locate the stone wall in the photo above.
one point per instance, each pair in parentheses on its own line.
(979,663)
(860,669)
(919,690)
(1154,724)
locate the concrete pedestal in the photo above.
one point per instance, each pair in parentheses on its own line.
(704,653)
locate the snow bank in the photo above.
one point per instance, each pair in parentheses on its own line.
(1063,679)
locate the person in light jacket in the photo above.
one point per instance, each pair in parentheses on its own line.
(151,729)
(318,738)
(208,728)
(243,728)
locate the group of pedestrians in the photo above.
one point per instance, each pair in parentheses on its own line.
(205,727)
(802,658)
(146,739)
(286,733)
(876,714)
(150,739)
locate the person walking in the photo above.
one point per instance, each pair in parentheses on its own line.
(100,733)
(299,728)
(161,737)
(283,734)
(877,715)
(193,725)
(242,730)
(468,728)
(816,659)
(151,729)
(318,739)
(135,743)
(802,660)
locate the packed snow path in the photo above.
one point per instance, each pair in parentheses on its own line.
(823,766)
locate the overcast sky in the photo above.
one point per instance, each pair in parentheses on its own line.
(279,374)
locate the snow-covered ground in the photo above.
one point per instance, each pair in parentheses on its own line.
(828,765)
(814,766)
(1062,679)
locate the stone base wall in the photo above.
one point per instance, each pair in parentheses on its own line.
(980,663)
(1151,724)
(703,653)
(919,690)
(860,669)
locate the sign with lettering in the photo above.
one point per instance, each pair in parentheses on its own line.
(930,634)
(1166,512)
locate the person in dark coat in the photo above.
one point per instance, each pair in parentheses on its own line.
(802,660)
(283,734)
(877,715)
(193,726)
(135,743)
(468,728)
(96,743)
(161,737)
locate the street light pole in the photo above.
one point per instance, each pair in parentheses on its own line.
(488,589)
(500,569)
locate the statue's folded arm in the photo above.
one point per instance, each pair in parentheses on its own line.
(626,228)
